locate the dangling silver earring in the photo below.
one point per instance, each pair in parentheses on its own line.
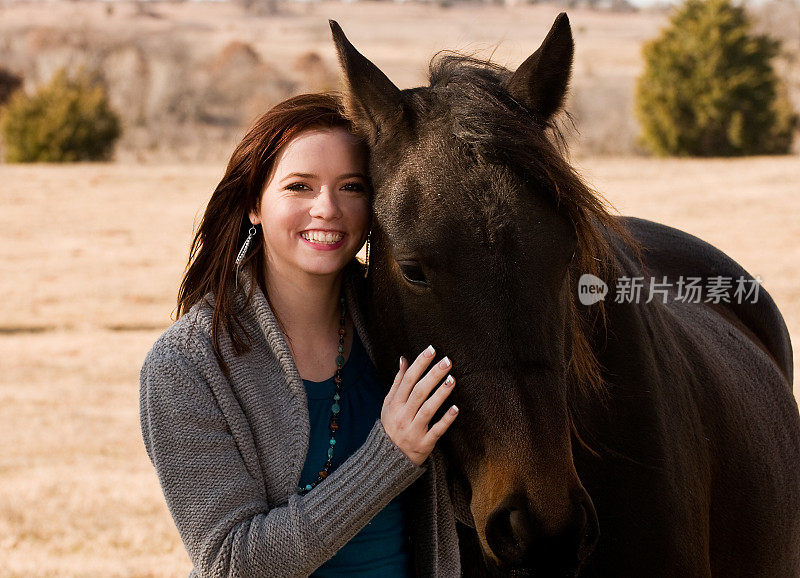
(243,251)
(366,255)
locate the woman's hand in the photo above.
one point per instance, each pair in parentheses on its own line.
(404,415)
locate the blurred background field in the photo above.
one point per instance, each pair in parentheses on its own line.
(187,76)
(91,254)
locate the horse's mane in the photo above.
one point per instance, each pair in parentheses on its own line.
(498,129)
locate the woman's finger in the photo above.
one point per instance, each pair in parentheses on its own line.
(413,374)
(438,429)
(425,386)
(403,364)
(434,402)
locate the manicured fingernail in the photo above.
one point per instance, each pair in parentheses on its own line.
(429,352)
(449,380)
(444,363)
(453,410)
(401,362)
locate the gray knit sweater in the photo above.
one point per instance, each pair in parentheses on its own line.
(229,453)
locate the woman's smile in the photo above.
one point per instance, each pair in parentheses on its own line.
(323,240)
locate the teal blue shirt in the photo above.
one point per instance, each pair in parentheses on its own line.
(379,549)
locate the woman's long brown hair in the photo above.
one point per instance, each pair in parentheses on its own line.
(226,222)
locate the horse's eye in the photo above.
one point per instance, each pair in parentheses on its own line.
(413,273)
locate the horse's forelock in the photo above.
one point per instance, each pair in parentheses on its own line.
(498,130)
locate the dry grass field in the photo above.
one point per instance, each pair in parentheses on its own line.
(91,255)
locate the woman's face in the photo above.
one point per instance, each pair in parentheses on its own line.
(315,206)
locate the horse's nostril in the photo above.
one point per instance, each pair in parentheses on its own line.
(591,530)
(508,533)
(520,525)
(516,537)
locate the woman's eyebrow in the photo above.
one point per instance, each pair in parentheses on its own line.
(313,176)
(300,175)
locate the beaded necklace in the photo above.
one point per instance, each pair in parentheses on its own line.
(335,408)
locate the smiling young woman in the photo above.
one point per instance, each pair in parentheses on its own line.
(278,451)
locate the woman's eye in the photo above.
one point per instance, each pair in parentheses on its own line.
(298,187)
(413,273)
(356,187)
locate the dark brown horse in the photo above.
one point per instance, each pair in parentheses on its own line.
(649,437)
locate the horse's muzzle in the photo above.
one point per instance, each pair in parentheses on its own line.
(517,537)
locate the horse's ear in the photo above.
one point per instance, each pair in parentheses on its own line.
(373,103)
(540,83)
